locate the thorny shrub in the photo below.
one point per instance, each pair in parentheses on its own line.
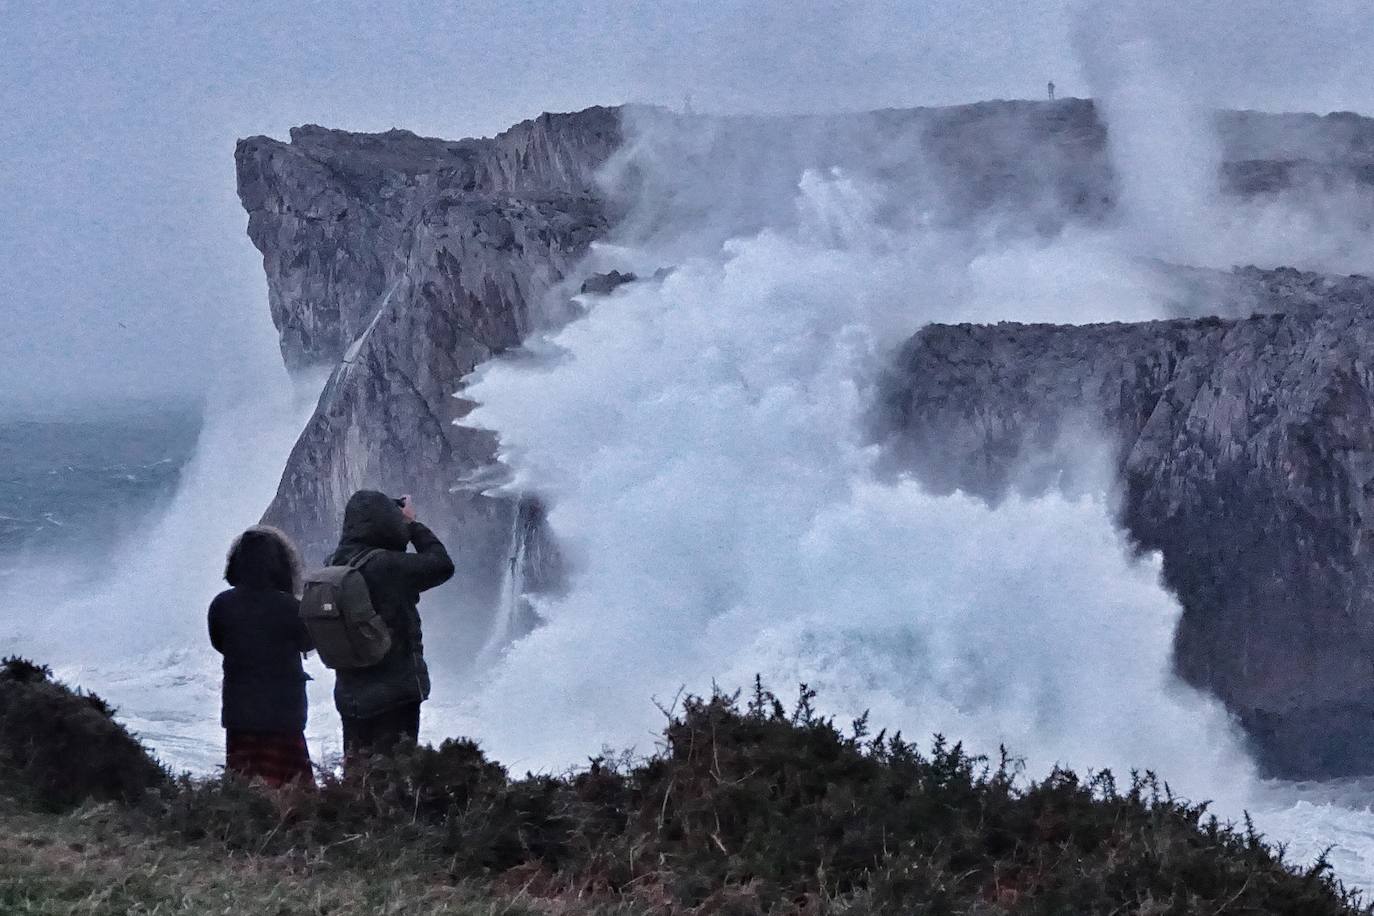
(747,808)
(756,807)
(59,746)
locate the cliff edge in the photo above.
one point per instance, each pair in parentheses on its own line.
(401,263)
(1245,453)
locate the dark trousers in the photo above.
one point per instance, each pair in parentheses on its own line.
(381,733)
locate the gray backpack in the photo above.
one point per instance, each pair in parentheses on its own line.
(337,609)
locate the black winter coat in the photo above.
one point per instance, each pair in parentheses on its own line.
(259,632)
(395,580)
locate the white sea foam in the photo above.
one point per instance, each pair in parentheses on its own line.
(701,448)
(133,626)
(699,442)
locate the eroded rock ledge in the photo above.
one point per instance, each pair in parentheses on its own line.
(1245,450)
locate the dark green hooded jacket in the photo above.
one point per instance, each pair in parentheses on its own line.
(394,579)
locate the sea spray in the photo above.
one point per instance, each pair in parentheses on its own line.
(699,441)
(1169,159)
(514,614)
(701,447)
(132,627)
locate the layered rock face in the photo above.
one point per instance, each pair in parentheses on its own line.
(1245,450)
(402,263)
(399,263)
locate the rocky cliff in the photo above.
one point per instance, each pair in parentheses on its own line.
(400,263)
(1245,449)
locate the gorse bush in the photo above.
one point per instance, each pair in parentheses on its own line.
(59,747)
(746,807)
(758,808)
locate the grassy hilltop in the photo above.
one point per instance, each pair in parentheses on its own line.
(748,807)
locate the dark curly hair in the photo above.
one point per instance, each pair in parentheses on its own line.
(263,557)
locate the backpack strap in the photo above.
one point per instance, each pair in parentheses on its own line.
(358,561)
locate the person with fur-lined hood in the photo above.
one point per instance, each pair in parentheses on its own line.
(256,626)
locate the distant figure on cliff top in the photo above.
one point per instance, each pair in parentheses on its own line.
(256,626)
(379,699)
(1051,90)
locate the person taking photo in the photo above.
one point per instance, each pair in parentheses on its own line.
(380,703)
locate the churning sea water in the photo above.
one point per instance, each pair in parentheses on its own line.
(77,491)
(116,531)
(73,486)
(700,442)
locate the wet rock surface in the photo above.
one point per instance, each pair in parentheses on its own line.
(403,262)
(1244,449)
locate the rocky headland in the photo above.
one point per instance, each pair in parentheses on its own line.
(402,263)
(1240,435)
(1244,449)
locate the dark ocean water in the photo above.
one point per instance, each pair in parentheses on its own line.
(79,484)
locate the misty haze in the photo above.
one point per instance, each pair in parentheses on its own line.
(993,371)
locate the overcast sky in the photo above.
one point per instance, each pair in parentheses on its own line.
(124,267)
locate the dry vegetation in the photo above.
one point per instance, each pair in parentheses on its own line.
(748,808)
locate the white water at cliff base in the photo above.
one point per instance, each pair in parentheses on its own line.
(699,442)
(130,625)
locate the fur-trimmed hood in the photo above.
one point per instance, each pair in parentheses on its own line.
(263,557)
